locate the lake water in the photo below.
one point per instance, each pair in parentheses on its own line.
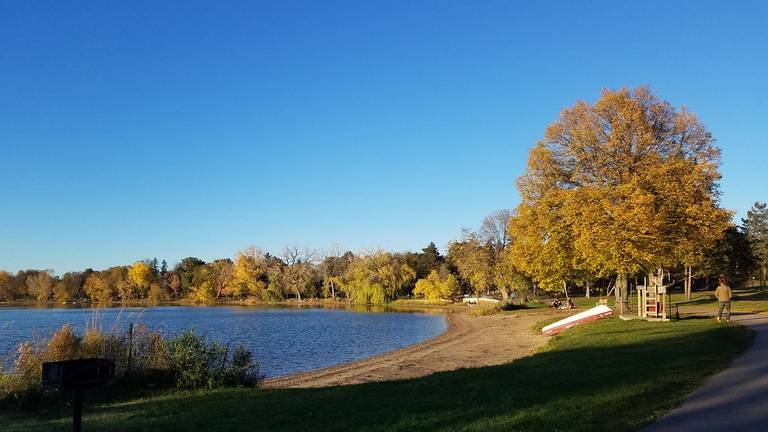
(283,340)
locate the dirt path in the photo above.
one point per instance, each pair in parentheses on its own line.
(468,342)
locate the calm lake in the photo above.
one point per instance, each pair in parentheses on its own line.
(284,340)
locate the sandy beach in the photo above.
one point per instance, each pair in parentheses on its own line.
(468,342)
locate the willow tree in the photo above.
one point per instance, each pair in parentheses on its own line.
(376,278)
(623,186)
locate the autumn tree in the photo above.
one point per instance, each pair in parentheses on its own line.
(299,275)
(70,286)
(222,276)
(249,275)
(756,229)
(40,285)
(474,262)
(302,278)
(7,291)
(543,245)
(438,285)
(140,276)
(98,288)
(172,282)
(626,185)
(117,278)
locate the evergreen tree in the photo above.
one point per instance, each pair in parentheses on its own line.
(756,228)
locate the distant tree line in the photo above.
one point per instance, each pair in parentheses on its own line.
(375,277)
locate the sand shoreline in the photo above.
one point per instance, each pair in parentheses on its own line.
(467,342)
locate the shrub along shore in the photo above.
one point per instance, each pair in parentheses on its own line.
(143,359)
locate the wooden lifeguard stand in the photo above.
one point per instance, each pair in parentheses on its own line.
(653,300)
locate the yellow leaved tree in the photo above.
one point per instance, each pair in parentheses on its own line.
(438,285)
(140,275)
(623,186)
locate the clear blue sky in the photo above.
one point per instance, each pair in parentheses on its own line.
(141,129)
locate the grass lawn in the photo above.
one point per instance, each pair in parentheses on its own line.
(747,301)
(744,301)
(607,376)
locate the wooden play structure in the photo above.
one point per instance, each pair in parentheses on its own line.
(653,300)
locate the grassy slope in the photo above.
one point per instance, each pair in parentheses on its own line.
(610,375)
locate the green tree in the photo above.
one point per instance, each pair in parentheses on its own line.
(425,261)
(376,278)
(731,256)
(756,229)
(186,272)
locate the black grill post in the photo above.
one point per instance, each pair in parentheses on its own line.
(75,376)
(77,411)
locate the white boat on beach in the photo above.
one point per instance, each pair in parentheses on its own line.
(473,300)
(593,314)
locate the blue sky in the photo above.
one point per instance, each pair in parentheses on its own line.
(171,129)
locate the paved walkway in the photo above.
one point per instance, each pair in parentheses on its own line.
(736,399)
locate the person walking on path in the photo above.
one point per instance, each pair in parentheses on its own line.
(724,295)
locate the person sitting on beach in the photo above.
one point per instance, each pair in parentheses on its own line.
(724,295)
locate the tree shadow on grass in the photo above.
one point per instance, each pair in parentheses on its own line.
(590,384)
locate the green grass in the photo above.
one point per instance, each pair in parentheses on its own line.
(747,301)
(607,376)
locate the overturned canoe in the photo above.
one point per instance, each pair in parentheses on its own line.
(593,314)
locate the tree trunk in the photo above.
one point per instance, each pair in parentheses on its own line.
(621,292)
(504,295)
(587,290)
(565,290)
(333,291)
(688,295)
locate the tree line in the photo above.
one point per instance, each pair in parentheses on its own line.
(615,190)
(373,277)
